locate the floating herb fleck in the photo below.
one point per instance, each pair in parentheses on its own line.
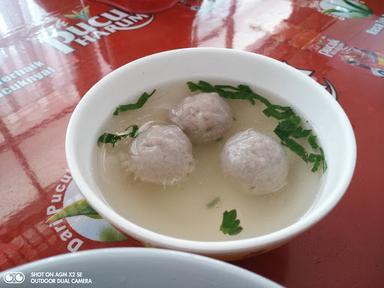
(289,127)
(143,98)
(213,202)
(230,224)
(130,131)
(80,207)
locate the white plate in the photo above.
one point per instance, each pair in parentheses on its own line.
(133,267)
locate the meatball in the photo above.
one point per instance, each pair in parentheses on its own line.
(160,154)
(255,161)
(203,117)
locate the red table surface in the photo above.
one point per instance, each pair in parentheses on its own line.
(42,78)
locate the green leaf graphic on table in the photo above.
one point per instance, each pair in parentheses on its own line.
(110,234)
(345,8)
(82,14)
(80,207)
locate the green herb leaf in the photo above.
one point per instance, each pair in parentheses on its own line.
(192,86)
(206,86)
(316,159)
(202,86)
(278,112)
(295,147)
(312,140)
(130,131)
(301,133)
(287,127)
(80,207)
(230,224)
(143,98)
(323,161)
(225,91)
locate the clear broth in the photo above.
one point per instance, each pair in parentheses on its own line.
(181,211)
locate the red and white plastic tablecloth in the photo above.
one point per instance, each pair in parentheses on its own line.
(52,52)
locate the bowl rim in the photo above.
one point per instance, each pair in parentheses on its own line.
(213,247)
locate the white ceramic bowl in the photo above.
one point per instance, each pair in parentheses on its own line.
(307,97)
(134,267)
